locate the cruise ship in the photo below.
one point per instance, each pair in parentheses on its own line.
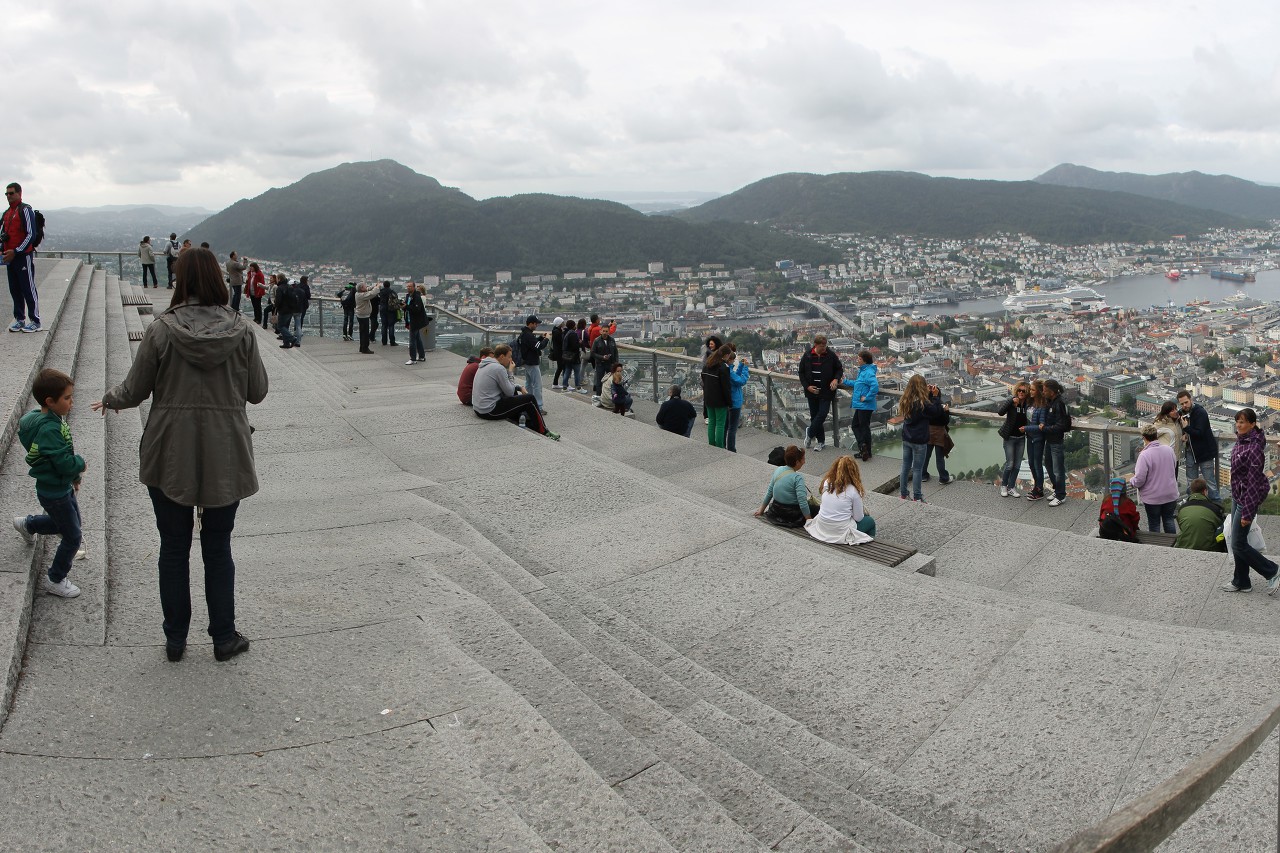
(1045,301)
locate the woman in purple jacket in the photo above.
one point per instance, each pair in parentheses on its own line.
(1249,487)
(1156,479)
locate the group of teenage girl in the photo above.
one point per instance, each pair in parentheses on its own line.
(1035,421)
(724,375)
(838,516)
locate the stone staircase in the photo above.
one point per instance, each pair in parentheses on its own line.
(469,637)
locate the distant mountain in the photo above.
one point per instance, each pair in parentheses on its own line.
(384,217)
(1223,193)
(910,203)
(115,227)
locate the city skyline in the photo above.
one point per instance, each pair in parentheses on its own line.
(204,106)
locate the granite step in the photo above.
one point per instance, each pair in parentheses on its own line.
(79,348)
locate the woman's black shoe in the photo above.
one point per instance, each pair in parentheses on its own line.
(231,648)
(173,651)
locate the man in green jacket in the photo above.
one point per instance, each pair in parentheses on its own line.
(1200,520)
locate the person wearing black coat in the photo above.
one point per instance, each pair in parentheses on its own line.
(1201,453)
(939,435)
(1012,432)
(820,374)
(387,299)
(288,304)
(717,395)
(677,414)
(416,319)
(571,355)
(556,350)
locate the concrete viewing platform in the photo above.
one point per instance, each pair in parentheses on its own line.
(469,637)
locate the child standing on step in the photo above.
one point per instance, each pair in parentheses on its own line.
(57,468)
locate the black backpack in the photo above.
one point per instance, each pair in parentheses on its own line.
(778,456)
(1112,527)
(38,218)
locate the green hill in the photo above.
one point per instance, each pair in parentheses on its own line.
(1224,193)
(384,217)
(909,203)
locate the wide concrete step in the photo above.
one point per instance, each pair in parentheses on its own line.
(79,347)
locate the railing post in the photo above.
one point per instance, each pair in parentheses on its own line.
(835,422)
(768,403)
(486,337)
(655,377)
(320,305)
(120,265)
(1106,457)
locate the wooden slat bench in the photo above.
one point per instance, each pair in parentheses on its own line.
(1146,537)
(877,551)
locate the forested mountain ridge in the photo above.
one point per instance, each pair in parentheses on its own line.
(909,203)
(384,217)
(1224,193)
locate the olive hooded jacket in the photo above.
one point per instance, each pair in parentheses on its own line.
(200,365)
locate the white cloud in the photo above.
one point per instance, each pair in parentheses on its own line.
(204,104)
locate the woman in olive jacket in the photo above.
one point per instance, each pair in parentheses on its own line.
(199,364)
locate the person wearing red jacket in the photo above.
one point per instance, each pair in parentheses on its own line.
(468,378)
(17,233)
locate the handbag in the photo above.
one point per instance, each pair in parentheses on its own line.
(939,437)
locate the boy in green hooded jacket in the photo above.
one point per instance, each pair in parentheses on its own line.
(56,467)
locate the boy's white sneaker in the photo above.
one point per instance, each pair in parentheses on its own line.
(1014,493)
(20,525)
(1004,492)
(63,588)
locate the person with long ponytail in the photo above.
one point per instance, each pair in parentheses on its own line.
(842,518)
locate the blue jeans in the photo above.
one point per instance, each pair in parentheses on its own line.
(1035,457)
(417,348)
(1158,514)
(1058,468)
(297,326)
(176,523)
(61,517)
(1013,448)
(1207,468)
(575,367)
(388,329)
(731,429)
(819,408)
(1247,557)
(913,456)
(533,382)
(235,291)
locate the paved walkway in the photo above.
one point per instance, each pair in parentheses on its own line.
(468,637)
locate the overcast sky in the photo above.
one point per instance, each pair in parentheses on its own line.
(206,103)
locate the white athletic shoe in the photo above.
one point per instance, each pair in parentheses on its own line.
(63,588)
(1014,493)
(1004,492)
(20,525)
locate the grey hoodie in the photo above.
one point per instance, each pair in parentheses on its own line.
(200,365)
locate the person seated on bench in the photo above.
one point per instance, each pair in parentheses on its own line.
(1118,519)
(842,519)
(495,397)
(786,501)
(677,414)
(1200,520)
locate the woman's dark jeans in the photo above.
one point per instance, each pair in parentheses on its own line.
(862,427)
(1013,448)
(349,323)
(176,523)
(1035,457)
(731,429)
(1158,514)
(1246,556)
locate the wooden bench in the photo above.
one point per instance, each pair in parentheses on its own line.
(1146,537)
(877,551)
